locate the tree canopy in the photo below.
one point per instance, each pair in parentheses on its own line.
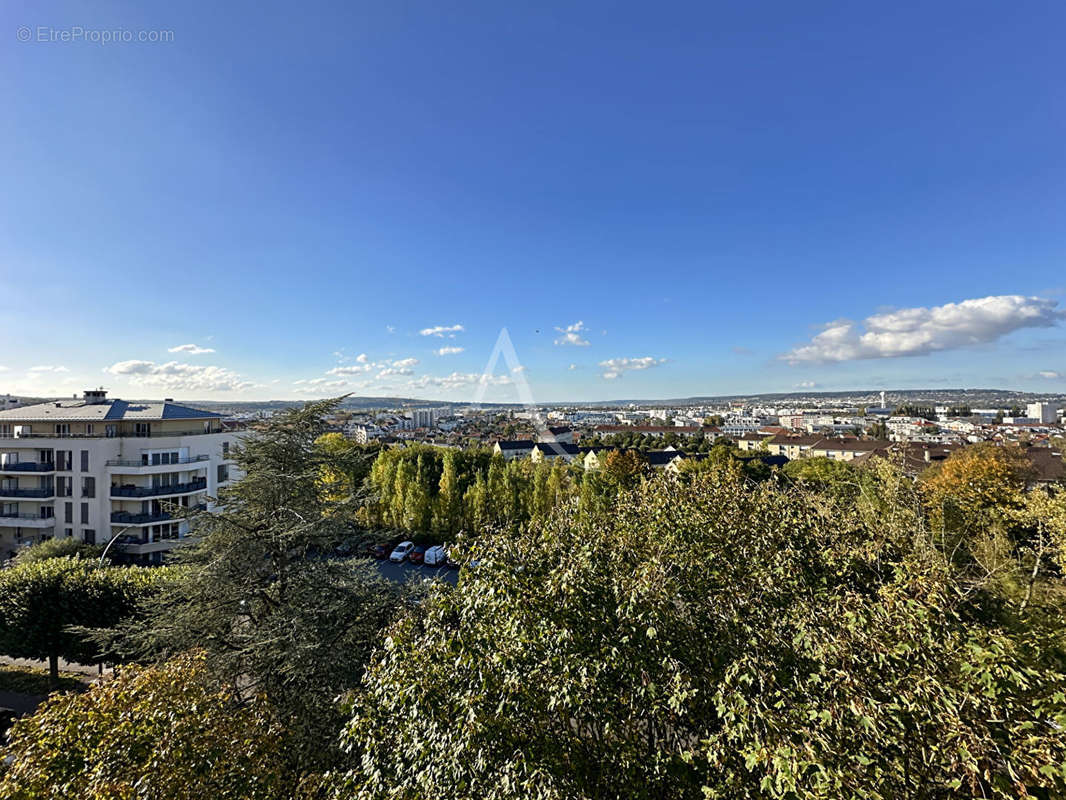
(150,733)
(43,602)
(718,639)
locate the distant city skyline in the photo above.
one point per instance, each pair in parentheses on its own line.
(656,203)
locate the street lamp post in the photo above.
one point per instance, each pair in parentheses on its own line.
(114,539)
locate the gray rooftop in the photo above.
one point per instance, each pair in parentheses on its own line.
(109,411)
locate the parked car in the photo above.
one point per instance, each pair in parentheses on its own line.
(402,551)
(435,556)
(417,554)
(379,551)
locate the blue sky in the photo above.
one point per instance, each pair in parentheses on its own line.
(704,187)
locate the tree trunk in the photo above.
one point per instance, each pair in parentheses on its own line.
(53,670)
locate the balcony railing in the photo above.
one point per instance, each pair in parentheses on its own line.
(116,435)
(27,517)
(29,466)
(28,493)
(155,491)
(127,518)
(118,462)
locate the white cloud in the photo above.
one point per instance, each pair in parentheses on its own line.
(182,377)
(48,368)
(572,366)
(361,358)
(920,331)
(385,373)
(571,335)
(519,368)
(353,369)
(1050,374)
(191,349)
(614,367)
(404,363)
(442,331)
(449,351)
(806,385)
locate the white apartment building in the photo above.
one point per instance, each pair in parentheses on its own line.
(96,468)
(424,417)
(1042,413)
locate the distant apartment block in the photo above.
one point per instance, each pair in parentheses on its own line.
(95,468)
(424,417)
(1042,413)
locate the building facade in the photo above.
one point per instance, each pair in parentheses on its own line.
(94,469)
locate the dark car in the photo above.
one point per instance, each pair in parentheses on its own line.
(418,555)
(380,551)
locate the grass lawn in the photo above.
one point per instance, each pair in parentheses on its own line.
(29,680)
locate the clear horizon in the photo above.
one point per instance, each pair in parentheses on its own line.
(656,203)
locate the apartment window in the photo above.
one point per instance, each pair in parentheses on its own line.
(62,429)
(111,431)
(68,532)
(45,457)
(88,535)
(47,512)
(84,513)
(64,460)
(142,429)
(10,510)
(223,473)
(68,513)
(88,487)
(84,460)
(5,430)
(225,449)
(89,429)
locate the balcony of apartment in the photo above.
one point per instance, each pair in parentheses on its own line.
(151,518)
(16,520)
(28,466)
(173,490)
(28,494)
(140,545)
(120,466)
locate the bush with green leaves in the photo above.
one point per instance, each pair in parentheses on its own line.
(57,548)
(150,733)
(707,638)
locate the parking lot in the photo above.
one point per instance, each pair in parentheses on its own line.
(406,571)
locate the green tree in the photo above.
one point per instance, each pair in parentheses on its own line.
(271,615)
(449,505)
(710,638)
(151,733)
(57,548)
(42,601)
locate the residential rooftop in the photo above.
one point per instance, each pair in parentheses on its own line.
(94,406)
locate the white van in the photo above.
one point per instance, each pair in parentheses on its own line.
(435,556)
